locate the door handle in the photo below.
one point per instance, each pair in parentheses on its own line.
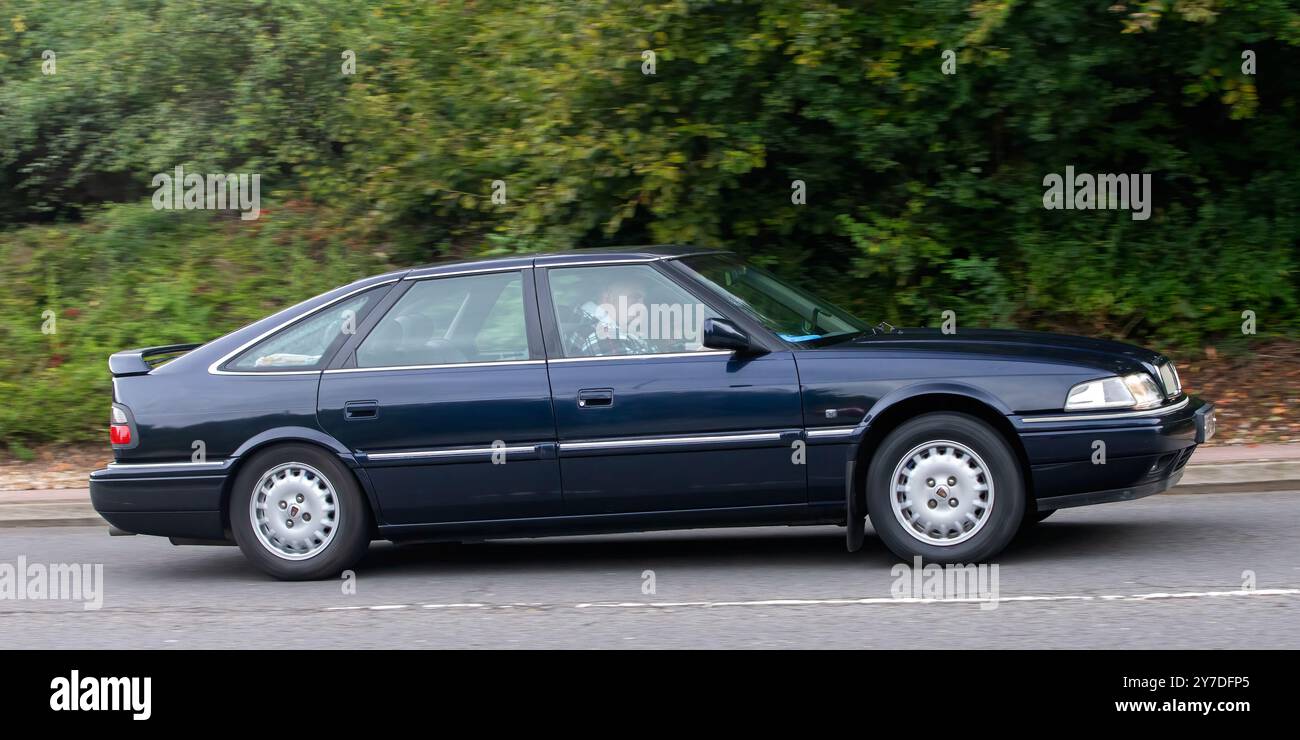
(595,398)
(360,410)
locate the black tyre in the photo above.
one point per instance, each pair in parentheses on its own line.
(1032,517)
(947,487)
(298,513)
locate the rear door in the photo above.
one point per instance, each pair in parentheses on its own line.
(443,395)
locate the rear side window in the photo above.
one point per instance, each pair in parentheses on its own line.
(471,318)
(307,344)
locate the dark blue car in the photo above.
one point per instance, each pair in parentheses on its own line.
(622,390)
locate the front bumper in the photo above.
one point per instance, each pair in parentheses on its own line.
(182,500)
(1084,459)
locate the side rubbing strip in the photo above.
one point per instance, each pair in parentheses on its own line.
(462,452)
(829,432)
(634,443)
(184,464)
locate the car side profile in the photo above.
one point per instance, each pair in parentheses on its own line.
(620,390)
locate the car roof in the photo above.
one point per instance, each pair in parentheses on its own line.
(587,256)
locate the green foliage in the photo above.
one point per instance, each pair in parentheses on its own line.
(132,276)
(924,189)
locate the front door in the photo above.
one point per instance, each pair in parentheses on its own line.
(647,418)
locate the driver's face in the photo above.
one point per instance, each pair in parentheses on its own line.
(622,296)
(629,292)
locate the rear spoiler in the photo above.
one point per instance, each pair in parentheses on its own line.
(141,361)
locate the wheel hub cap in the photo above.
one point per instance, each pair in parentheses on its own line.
(942,493)
(294,511)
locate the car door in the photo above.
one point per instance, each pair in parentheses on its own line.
(443,396)
(647,419)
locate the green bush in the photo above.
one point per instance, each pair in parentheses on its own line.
(924,189)
(132,276)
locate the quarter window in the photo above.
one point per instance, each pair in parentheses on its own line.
(307,344)
(471,318)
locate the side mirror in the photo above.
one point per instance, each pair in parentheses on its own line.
(722,334)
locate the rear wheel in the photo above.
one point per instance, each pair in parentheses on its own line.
(298,514)
(947,487)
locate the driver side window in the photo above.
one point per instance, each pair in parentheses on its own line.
(619,310)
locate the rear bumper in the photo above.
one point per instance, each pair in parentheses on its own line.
(183,500)
(1077,461)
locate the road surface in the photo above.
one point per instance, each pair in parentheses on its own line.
(1163,572)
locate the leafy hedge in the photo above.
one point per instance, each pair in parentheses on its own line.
(133,276)
(924,190)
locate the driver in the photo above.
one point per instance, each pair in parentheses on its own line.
(601,325)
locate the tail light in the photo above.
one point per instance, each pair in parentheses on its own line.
(119,432)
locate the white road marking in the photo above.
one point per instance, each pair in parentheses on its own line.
(869,601)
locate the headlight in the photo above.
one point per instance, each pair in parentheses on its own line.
(1169,378)
(1136,391)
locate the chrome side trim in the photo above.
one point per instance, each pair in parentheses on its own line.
(266,372)
(606,444)
(697,253)
(185,464)
(826,432)
(418,454)
(491,363)
(1103,417)
(422,275)
(619,261)
(213,368)
(711,353)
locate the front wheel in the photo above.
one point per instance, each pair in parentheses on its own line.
(945,487)
(298,514)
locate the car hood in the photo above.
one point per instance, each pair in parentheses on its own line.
(1101,354)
